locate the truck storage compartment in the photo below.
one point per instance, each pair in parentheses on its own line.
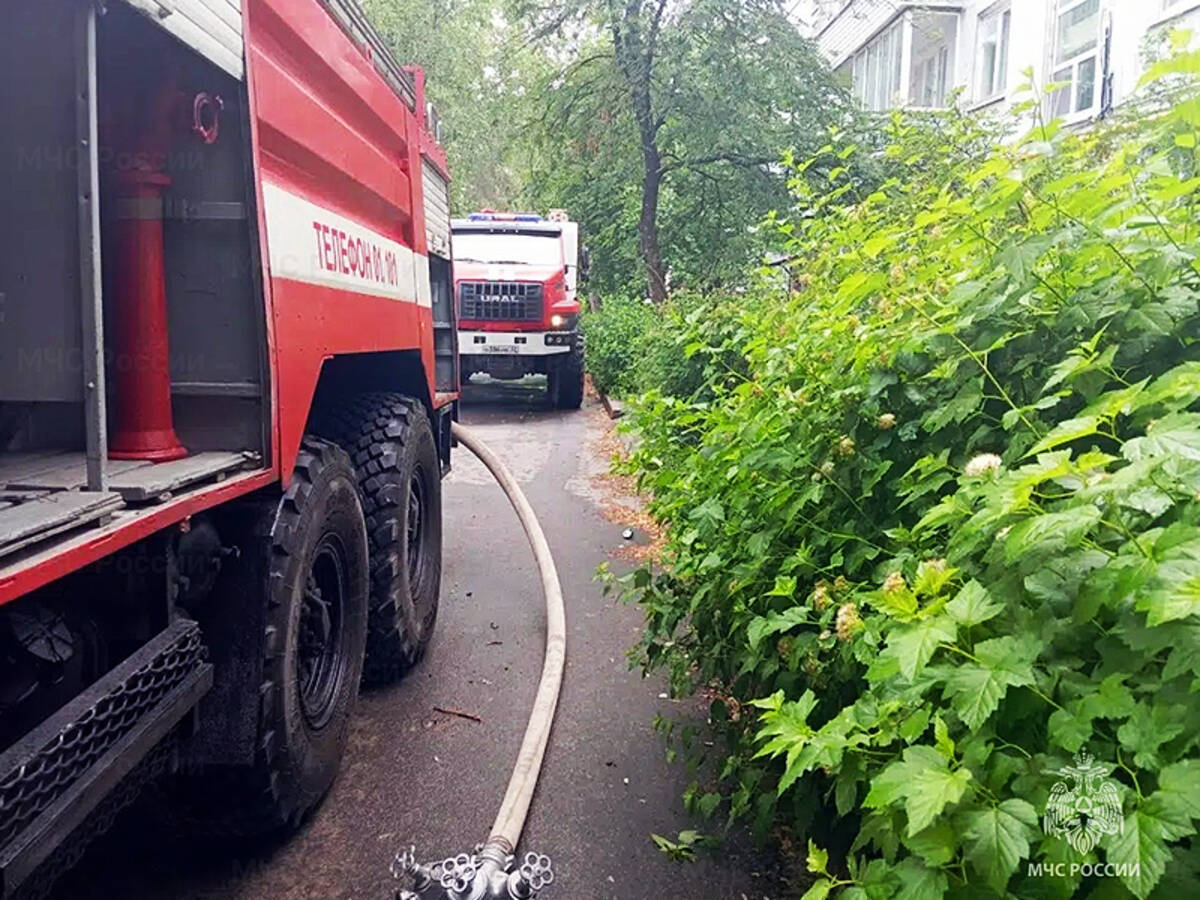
(128,181)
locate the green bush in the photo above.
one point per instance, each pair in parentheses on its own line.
(634,347)
(612,333)
(933,519)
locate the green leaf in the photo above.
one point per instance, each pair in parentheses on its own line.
(943,743)
(936,844)
(1050,531)
(1179,787)
(761,627)
(710,512)
(913,725)
(1070,730)
(932,578)
(976,692)
(891,783)
(919,882)
(998,839)
(973,605)
(1148,728)
(925,782)
(912,646)
(932,791)
(819,891)
(818,858)
(1174,590)
(976,688)
(1142,849)
(1065,432)
(1175,435)
(1177,388)
(1020,258)
(899,604)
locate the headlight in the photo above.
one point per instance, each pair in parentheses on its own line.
(557,320)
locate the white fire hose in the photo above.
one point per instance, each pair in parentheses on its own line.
(486,873)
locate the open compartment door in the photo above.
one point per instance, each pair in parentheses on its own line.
(213,28)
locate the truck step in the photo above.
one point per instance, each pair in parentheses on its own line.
(30,516)
(54,778)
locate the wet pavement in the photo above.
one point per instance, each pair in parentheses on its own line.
(435,779)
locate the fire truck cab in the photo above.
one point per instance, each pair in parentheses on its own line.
(517,279)
(228,372)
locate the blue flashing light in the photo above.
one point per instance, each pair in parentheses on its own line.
(488,216)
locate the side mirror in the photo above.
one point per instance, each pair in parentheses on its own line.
(585,264)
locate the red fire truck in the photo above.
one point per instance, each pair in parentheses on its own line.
(517,278)
(227,379)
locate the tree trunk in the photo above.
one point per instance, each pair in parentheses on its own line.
(635,43)
(656,277)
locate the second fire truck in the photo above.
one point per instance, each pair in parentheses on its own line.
(517,278)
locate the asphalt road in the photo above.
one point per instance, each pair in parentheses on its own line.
(414,775)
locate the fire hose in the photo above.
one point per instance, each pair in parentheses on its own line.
(488,871)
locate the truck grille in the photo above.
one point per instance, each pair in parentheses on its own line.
(500,301)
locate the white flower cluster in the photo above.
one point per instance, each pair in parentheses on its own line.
(982,464)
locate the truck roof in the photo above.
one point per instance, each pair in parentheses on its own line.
(506,226)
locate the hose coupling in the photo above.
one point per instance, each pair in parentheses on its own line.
(535,873)
(405,865)
(475,876)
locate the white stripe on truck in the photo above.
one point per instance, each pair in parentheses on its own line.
(309,243)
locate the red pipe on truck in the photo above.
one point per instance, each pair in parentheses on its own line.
(143,425)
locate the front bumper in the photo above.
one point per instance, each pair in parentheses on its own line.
(514,343)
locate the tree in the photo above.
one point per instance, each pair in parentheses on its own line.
(706,96)
(477,70)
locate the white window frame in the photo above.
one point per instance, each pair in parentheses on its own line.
(867,64)
(932,63)
(1001,15)
(1074,63)
(934,66)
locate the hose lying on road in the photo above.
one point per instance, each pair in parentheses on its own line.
(506,831)
(486,875)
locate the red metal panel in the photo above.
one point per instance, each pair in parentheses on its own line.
(315,322)
(337,148)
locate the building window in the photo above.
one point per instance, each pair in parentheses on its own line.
(933,39)
(1076,57)
(929,79)
(992,77)
(875,70)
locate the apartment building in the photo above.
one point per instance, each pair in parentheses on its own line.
(915,55)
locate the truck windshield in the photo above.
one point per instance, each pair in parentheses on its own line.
(508,249)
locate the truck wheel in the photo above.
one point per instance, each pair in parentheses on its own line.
(565,383)
(390,441)
(313,640)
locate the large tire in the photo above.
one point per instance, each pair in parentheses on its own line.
(314,635)
(565,381)
(390,441)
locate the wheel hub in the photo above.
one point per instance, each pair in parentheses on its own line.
(416,526)
(318,650)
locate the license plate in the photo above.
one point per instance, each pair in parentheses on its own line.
(500,348)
